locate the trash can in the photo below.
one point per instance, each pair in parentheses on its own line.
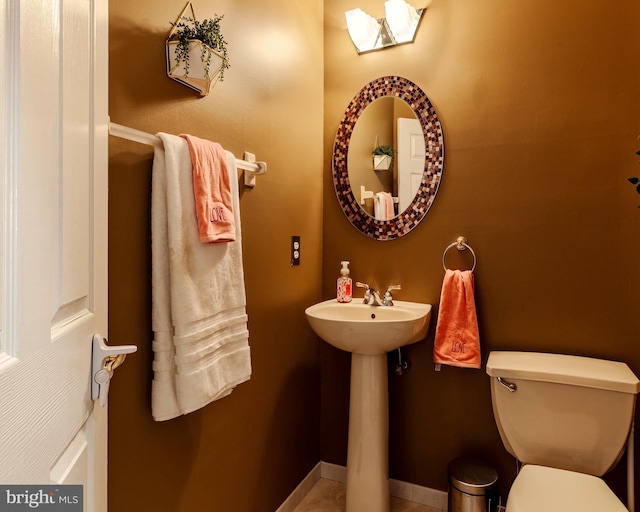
(473,486)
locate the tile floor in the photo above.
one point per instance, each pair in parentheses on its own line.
(329,496)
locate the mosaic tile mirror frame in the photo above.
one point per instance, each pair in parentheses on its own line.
(404,222)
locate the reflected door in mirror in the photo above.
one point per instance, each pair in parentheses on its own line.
(411,154)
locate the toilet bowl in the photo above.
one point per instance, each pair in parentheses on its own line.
(539,488)
(567,419)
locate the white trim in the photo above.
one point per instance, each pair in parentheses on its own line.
(333,472)
(398,489)
(419,494)
(10,132)
(6,361)
(303,488)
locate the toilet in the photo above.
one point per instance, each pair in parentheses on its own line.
(567,420)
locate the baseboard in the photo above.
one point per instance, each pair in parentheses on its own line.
(404,490)
(333,472)
(301,490)
(419,494)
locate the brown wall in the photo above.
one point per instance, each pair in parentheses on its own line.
(540,111)
(248,451)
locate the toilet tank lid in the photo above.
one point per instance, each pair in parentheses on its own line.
(563,369)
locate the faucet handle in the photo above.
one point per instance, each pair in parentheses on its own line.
(388,298)
(367,291)
(393,287)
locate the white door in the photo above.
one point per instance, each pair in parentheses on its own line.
(411,155)
(53,249)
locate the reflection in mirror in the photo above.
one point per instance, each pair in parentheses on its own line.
(385,205)
(387,122)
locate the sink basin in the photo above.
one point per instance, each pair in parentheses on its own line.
(364,329)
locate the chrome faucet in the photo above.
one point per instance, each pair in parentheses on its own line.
(372,297)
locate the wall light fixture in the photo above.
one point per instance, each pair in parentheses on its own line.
(399,26)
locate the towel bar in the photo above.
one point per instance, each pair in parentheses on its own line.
(124,132)
(365,194)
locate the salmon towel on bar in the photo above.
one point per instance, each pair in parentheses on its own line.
(211,191)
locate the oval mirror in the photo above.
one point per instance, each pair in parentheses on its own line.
(381,201)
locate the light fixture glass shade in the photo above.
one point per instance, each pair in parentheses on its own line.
(402,19)
(364,29)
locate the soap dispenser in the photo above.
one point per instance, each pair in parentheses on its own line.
(344,293)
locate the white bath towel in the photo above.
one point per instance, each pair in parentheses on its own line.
(383,206)
(201,349)
(379,207)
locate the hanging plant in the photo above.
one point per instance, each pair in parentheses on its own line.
(188,29)
(383,157)
(635,181)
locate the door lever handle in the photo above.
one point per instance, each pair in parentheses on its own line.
(105,359)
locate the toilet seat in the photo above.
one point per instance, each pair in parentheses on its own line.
(538,488)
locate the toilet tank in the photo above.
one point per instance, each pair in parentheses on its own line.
(566,412)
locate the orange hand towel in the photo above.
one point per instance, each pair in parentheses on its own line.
(457,340)
(212,191)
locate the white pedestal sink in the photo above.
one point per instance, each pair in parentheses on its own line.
(369,332)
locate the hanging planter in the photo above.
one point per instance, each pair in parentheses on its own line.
(196,52)
(383,158)
(382,162)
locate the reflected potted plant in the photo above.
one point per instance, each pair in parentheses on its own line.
(197,51)
(383,157)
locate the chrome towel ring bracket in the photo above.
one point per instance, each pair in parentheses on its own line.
(461,245)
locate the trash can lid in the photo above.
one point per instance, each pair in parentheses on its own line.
(472,476)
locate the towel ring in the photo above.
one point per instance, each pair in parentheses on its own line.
(461,245)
